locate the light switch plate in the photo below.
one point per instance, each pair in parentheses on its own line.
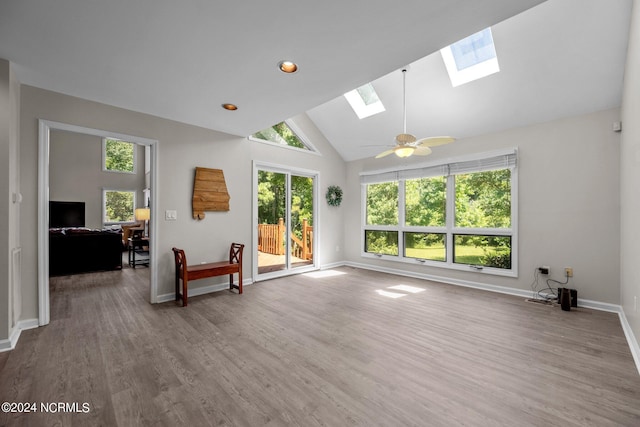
(170,215)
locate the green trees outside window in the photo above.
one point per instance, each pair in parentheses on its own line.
(425,201)
(272,199)
(119,156)
(483,199)
(476,224)
(382,204)
(118,206)
(281,133)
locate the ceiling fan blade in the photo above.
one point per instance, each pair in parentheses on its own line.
(422,151)
(384,153)
(434,141)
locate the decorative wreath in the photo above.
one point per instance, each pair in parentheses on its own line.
(334,195)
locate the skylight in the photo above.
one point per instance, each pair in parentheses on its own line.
(471,58)
(365,101)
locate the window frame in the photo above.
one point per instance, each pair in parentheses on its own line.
(104,156)
(450,230)
(104,206)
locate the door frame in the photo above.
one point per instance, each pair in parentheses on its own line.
(272,167)
(44,134)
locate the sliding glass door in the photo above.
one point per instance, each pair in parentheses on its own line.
(285,202)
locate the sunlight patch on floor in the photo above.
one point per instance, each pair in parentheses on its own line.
(404,291)
(323,274)
(390,294)
(407,288)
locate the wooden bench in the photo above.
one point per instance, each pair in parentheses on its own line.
(211,269)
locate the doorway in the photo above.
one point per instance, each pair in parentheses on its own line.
(285,232)
(44,140)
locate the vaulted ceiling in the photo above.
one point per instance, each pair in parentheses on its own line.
(182,60)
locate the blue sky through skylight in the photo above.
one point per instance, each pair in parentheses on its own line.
(474,49)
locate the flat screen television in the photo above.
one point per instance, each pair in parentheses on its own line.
(66,214)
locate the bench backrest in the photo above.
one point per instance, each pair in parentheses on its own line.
(235,256)
(235,253)
(180,257)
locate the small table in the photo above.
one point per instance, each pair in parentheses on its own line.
(137,247)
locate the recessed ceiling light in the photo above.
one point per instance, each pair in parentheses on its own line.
(288,67)
(230,107)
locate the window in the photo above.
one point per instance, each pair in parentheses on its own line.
(118,156)
(283,134)
(471,58)
(118,206)
(364,101)
(458,215)
(381,212)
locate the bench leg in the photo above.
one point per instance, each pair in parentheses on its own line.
(239,285)
(177,287)
(185,290)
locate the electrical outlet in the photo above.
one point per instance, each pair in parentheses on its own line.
(568,271)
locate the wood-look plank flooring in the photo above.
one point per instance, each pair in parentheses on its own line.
(360,348)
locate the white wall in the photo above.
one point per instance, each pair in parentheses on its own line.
(76,175)
(181,148)
(630,178)
(568,203)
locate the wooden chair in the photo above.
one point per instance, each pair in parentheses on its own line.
(187,272)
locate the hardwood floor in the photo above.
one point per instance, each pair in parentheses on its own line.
(358,348)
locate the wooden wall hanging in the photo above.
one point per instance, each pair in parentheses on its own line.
(209,192)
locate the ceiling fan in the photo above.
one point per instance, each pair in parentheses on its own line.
(407,144)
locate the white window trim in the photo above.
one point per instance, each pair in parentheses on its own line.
(296,129)
(104,156)
(104,206)
(449,230)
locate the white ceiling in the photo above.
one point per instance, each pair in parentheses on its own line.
(182,60)
(559,59)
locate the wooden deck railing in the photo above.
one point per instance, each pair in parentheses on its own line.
(271,240)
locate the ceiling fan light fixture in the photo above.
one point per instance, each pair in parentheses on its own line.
(404,151)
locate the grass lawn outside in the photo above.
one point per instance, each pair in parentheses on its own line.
(464,254)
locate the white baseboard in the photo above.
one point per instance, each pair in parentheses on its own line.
(332,265)
(631,339)
(194,292)
(23,325)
